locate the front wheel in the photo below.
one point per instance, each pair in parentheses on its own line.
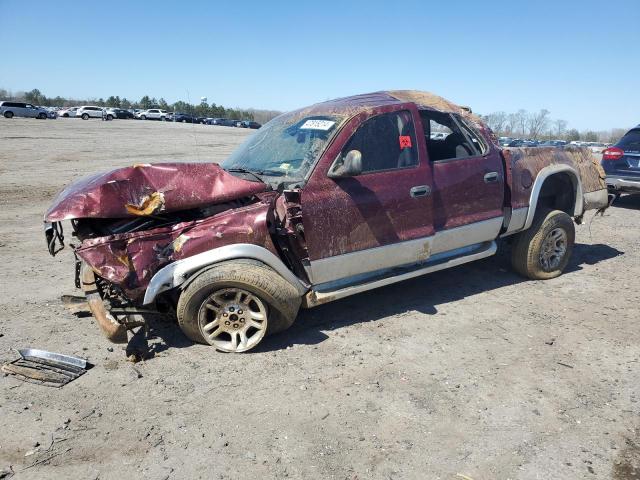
(543,251)
(143,117)
(233,305)
(42,116)
(85,116)
(109,117)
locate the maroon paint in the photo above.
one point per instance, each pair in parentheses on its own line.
(349,214)
(182,185)
(460,194)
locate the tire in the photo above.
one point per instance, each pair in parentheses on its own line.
(65,115)
(42,116)
(279,297)
(109,117)
(543,251)
(85,116)
(143,117)
(8,114)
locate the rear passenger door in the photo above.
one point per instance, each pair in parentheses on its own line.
(468,179)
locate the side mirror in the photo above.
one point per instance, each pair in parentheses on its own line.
(351,166)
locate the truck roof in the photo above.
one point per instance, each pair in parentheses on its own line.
(359,103)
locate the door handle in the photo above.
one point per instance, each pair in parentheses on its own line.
(420,191)
(491,177)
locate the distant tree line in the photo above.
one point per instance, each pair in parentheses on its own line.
(202,109)
(540,126)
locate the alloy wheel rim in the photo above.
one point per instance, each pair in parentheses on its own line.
(554,248)
(233,320)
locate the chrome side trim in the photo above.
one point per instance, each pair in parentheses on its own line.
(517,221)
(471,234)
(177,273)
(348,265)
(597,199)
(438,262)
(354,263)
(537,186)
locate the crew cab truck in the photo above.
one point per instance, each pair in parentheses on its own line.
(319,204)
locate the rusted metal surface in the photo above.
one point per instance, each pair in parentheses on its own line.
(144,190)
(115,331)
(524,164)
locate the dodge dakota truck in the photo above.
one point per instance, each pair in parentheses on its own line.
(319,204)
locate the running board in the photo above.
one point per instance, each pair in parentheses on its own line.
(325,293)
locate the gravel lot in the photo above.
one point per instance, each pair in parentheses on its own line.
(470,373)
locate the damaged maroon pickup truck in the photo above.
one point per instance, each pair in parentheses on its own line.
(319,204)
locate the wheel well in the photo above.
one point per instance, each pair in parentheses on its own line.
(558,192)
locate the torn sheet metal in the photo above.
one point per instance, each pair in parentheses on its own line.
(46,368)
(130,260)
(144,190)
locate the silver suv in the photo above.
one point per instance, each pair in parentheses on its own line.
(19,109)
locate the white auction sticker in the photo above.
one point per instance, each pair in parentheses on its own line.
(317,125)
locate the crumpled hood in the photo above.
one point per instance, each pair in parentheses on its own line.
(148,190)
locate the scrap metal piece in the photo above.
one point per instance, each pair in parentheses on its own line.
(46,368)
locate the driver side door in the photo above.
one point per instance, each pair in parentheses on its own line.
(379,218)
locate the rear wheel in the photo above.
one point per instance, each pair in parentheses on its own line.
(8,114)
(543,251)
(233,305)
(85,116)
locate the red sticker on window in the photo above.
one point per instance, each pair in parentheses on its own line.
(405,141)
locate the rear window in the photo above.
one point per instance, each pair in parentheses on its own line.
(631,140)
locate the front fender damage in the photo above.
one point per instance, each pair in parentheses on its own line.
(129,260)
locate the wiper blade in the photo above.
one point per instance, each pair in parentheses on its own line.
(271,173)
(244,170)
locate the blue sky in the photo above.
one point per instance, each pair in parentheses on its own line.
(578,59)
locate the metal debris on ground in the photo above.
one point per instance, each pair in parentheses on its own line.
(46,368)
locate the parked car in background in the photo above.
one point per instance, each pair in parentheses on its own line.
(89,111)
(250,124)
(236,248)
(227,122)
(20,109)
(120,113)
(214,121)
(182,118)
(68,112)
(621,163)
(153,114)
(596,147)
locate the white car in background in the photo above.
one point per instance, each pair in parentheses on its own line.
(68,112)
(153,114)
(596,147)
(89,111)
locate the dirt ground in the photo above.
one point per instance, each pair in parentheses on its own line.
(471,373)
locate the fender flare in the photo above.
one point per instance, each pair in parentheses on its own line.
(178,272)
(545,173)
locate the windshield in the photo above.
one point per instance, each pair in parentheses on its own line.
(287,146)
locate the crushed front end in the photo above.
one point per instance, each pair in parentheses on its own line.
(131,222)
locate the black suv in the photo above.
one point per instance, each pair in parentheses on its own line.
(621,163)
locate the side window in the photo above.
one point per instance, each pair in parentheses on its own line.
(448,139)
(387,142)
